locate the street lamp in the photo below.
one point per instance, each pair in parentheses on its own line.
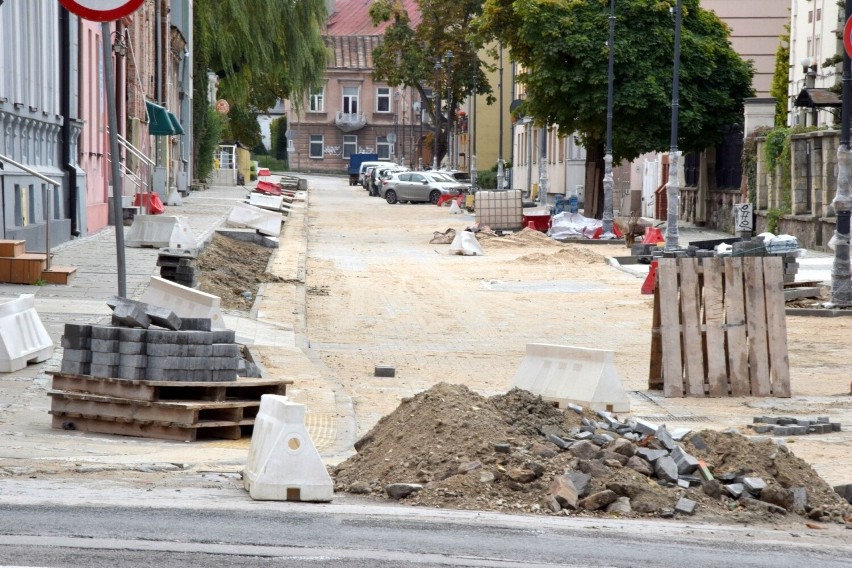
(809,67)
(672,190)
(448,56)
(606,229)
(395,129)
(471,128)
(437,97)
(500,171)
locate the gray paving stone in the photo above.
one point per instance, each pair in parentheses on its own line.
(132,348)
(104,332)
(139,361)
(105,345)
(131,373)
(77,355)
(105,359)
(666,469)
(104,371)
(127,335)
(224,336)
(129,315)
(225,350)
(75,368)
(685,506)
(195,324)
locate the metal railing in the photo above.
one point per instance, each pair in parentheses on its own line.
(49,203)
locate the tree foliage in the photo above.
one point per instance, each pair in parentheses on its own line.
(262,51)
(561,47)
(408,55)
(780,76)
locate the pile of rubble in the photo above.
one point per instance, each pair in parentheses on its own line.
(450,447)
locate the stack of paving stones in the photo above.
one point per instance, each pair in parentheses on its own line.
(789,426)
(186,349)
(655,452)
(178,265)
(740,248)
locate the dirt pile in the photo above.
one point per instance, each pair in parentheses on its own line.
(234,270)
(526,237)
(451,447)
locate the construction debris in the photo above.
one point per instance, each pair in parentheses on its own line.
(789,426)
(516,452)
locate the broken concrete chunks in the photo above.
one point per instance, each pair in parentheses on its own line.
(584,449)
(712,488)
(685,506)
(640,465)
(575,407)
(754,485)
(678,434)
(642,426)
(665,438)
(401,490)
(542,451)
(623,447)
(779,496)
(521,475)
(844,491)
(620,506)
(698,442)
(598,500)
(468,467)
(551,502)
(594,468)
(666,469)
(735,490)
(558,441)
(501,448)
(606,455)
(651,455)
(161,317)
(562,489)
(582,482)
(686,463)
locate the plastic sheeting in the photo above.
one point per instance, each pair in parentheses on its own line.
(572,225)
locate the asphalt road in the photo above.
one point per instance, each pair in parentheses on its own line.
(63,536)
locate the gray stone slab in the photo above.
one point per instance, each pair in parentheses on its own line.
(384,371)
(131,335)
(159,316)
(129,315)
(651,455)
(131,373)
(104,332)
(196,324)
(105,345)
(224,336)
(642,426)
(225,350)
(754,485)
(79,356)
(665,438)
(735,490)
(140,361)
(76,343)
(132,348)
(686,463)
(104,371)
(75,367)
(105,359)
(666,469)
(685,506)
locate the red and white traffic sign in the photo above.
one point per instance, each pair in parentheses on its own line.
(847,37)
(102,10)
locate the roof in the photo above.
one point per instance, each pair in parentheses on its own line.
(352,18)
(817,98)
(351,52)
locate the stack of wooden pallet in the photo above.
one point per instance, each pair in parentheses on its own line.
(168,410)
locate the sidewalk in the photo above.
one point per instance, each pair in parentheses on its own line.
(26,437)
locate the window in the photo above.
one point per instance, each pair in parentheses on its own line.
(316,103)
(350,145)
(810,16)
(417,178)
(818,14)
(383,98)
(316,146)
(350,100)
(383,148)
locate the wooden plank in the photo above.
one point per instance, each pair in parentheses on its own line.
(670,328)
(108,387)
(758,351)
(735,328)
(693,353)
(655,372)
(776,321)
(143,429)
(714,323)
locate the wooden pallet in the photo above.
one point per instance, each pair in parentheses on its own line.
(719,328)
(169,410)
(242,388)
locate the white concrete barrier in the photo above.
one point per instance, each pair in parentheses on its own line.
(566,374)
(23,338)
(465,243)
(160,231)
(184,302)
(245,215)
(283,463)
(271,202)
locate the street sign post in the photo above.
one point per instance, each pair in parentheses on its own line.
(106,11)
(102,10)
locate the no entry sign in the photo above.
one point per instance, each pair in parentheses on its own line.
(102,10)
(847,40)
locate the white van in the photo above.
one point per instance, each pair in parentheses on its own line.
(365,165)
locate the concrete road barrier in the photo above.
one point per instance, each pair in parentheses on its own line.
(263,221)
(23,338)
(283,463)
(184,302)
(578,375)
(160,231)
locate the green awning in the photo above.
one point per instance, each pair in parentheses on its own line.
(161,122)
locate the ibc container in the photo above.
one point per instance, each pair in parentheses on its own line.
(500,210)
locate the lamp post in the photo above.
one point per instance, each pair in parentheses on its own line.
(809,67)
(437,97)
(395,123)
(471,128)
(841,285)
(606,229)
(672,190)
(448,56)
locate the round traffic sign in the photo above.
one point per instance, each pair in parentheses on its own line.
(847,37)
(392,138)
(102,10)
(222,106)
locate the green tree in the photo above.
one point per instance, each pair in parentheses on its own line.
(780,77)
(562,49)
(279,138)
(407,55)
(261,50)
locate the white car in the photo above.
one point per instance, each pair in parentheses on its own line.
(419,186)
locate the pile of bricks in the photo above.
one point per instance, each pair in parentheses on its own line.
(656,453)
(789,426)
(185,350)
(178,265)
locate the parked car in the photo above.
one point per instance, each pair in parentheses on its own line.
(381,173)
(362,169)
(419,186)
(366,180)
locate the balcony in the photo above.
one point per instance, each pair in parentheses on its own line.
(349,121)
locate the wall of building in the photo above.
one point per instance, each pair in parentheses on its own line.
(813,25)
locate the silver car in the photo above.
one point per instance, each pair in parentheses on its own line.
(419,186)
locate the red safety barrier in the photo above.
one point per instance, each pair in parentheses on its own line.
(652,236)
(268,188)
(263,172)
(651,280)
(616,232)
(143,199)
